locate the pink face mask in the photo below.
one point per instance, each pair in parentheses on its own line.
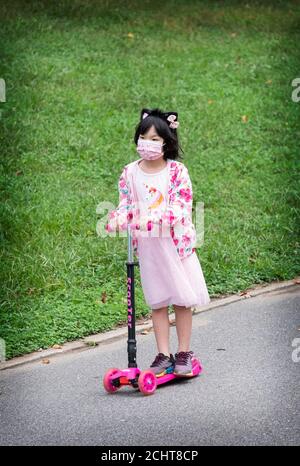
(149,150)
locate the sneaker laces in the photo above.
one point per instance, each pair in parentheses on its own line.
(183,356)
(160,357)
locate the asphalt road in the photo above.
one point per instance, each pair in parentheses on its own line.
(248,393)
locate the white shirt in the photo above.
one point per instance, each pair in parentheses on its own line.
(152,189)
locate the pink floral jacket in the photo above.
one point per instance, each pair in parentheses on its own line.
(177,214)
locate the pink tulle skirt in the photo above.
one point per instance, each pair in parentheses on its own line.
(166,278)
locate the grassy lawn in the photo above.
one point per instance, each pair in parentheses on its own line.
(77,75)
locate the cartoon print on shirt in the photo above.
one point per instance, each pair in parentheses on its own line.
(158,199)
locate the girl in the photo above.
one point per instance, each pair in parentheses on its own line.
(155,199)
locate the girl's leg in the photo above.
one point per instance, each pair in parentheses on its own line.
(183,326)
(161,325)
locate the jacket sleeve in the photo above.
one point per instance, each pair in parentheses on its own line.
(179,206)
(181,200)
(118,218)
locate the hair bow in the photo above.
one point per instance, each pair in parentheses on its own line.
(145,114)
(173,124)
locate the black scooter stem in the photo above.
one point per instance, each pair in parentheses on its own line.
(131,342)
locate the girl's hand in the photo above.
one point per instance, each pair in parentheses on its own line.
(143,223)
(146,223)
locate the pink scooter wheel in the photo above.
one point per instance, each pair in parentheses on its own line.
(147,382)
(109,387)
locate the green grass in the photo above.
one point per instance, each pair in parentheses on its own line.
(76,83)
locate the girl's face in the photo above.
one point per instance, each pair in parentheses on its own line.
(151,135)
(150,145)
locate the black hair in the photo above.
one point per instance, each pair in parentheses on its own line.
(158,119)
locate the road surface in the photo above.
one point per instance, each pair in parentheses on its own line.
(248,393)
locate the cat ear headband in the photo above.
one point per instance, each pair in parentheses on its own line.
(171,119)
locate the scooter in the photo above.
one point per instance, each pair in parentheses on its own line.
(146,381)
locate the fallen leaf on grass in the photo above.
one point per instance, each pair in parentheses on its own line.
(57,346)
(246,294)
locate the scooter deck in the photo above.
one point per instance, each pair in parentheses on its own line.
(196,369)
(126,375)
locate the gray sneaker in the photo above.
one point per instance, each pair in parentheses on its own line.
(183,363)
(162,364)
